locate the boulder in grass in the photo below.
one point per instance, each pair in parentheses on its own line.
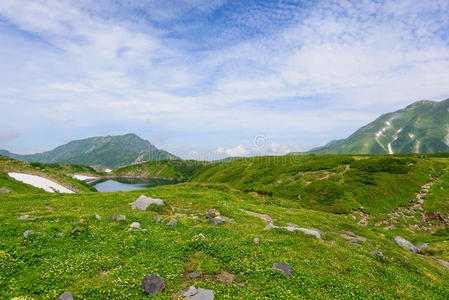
(143,202)
(27,233)
(377,252)
(97,216)
(65,296)
(135,225)
(112,218)
(120,218)
(194,293)
(158,219)
(153,284)
(4,190)
(283,268)
(173,222)
(404,243)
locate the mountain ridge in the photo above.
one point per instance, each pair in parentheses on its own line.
(420,127)
(109,151)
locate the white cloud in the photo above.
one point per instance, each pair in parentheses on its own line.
(306,76)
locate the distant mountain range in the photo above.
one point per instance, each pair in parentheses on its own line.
(422,127)
(106,151)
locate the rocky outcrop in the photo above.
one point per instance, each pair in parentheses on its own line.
(153,284)
(404,243)
(143,202)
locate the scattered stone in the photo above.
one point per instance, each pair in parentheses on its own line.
(210,216)
(351,236)
(194,275)
(24,217)
(220,220)
(262,216)
(158,219)
(153,284)
(27,233)
(445,263)
(256,240)
(173,222)
(104,272)
(377,252)
(49,208)
(112,218)
(404,243)
(421,246)
(143,202)
(213,222)
(283,268)
(60,234)
(97,217)
(4,190)
(65,296)
(354,242)
(198,294)
(120,218)
(76,230)
(76,223)
(135,225)
(290,228)
(225,277)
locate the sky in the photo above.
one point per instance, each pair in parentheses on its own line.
(204,78)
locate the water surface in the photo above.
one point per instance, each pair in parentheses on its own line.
(127,184)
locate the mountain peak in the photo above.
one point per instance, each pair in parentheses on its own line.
(421,127)
(108,151)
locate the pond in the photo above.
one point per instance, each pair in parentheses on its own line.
(129,184)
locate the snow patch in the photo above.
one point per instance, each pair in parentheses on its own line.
(417,145)
(446,138)
(83,177)
(395,137)
(40,182)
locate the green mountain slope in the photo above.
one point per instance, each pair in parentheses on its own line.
(169,169)
(107,151)
(422,127)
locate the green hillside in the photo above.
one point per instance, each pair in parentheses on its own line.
(169,169)
(422,127)
(54,172)
(108,151)
(355,204)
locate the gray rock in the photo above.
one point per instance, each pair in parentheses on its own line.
(377,252)
(112,218)
(60,234)
(27,233)
(158,219)
(210,216)
(283,268)
(421,246)
(143,202)
(97,217)
(291,228)
(135,225)
(65,296)
(24,217)
(76,230)
(445,263)
(404,243)
(256,240)
(120,218)
(173,222)
(199,294)
(354,242)
(153,284)
(194,275)
(213,222)
(220,220)
(4,190)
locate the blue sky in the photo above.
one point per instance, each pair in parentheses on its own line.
(214,78)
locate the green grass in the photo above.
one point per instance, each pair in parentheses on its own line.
(45,264)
